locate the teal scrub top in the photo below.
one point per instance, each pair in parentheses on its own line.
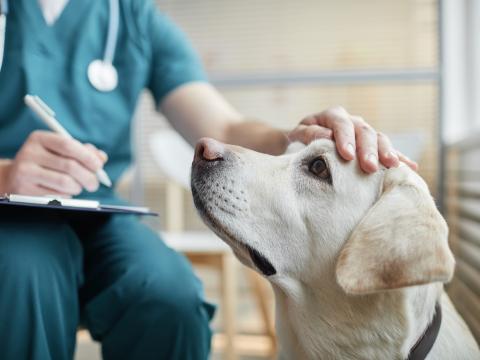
(52,61)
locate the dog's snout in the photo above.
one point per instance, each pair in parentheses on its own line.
(209,150)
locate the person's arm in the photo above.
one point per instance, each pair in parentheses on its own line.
(197,110)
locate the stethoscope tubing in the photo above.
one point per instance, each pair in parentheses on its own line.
(112,34)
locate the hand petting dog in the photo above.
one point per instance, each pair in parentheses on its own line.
(353,136)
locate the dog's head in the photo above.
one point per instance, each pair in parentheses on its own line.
(309,213)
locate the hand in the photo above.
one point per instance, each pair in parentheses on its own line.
(352,135)
(49,163)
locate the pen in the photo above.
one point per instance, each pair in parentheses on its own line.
(48,116)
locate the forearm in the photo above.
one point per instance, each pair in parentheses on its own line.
(198,110)
(256,136)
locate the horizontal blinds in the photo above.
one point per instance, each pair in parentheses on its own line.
(464,219)
(467,303)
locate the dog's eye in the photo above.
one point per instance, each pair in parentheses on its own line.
(319,168)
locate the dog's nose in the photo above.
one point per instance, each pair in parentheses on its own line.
(209,150)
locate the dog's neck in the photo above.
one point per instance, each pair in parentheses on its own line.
(326,323)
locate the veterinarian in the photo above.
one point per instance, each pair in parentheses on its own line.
(90,60)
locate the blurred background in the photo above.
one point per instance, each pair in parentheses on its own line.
(411,68)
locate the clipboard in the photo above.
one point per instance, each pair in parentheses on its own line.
(71,205)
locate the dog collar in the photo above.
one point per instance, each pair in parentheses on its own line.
(425,343)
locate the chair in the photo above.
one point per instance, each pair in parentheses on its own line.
(203,248)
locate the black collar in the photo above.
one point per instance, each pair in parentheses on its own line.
(425,343)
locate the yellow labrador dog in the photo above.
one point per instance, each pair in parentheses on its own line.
(357,262)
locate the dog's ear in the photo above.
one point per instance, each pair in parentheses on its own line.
(401,241)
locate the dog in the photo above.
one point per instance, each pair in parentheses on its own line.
(357,261)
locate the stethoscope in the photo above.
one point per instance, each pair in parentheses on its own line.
(101,73)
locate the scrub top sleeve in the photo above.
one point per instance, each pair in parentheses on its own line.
(173,60)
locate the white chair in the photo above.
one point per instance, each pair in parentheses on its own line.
(174,155)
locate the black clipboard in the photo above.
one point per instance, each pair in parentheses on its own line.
(56,204)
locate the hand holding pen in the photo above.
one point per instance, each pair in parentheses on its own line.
(52,163)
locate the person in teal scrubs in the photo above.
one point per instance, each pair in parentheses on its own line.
(113,274)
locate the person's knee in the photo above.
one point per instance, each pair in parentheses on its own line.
(157,299)
(168,314)
(175,297)
(179,297)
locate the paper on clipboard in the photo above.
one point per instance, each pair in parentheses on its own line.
(60,203)
(50,200)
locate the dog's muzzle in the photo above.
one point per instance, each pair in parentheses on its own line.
(216,194)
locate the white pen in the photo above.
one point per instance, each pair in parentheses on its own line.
(45,113)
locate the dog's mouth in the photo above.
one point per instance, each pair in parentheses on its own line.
(260,261)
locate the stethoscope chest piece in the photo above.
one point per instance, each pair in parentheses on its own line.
(102,75)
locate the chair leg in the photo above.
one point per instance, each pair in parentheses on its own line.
(229,289)
(260,292)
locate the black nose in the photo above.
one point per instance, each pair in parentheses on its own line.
(209,150)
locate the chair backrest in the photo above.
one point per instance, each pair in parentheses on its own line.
(173,155)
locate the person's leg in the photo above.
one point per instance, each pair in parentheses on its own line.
(40,273)
(141,298)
